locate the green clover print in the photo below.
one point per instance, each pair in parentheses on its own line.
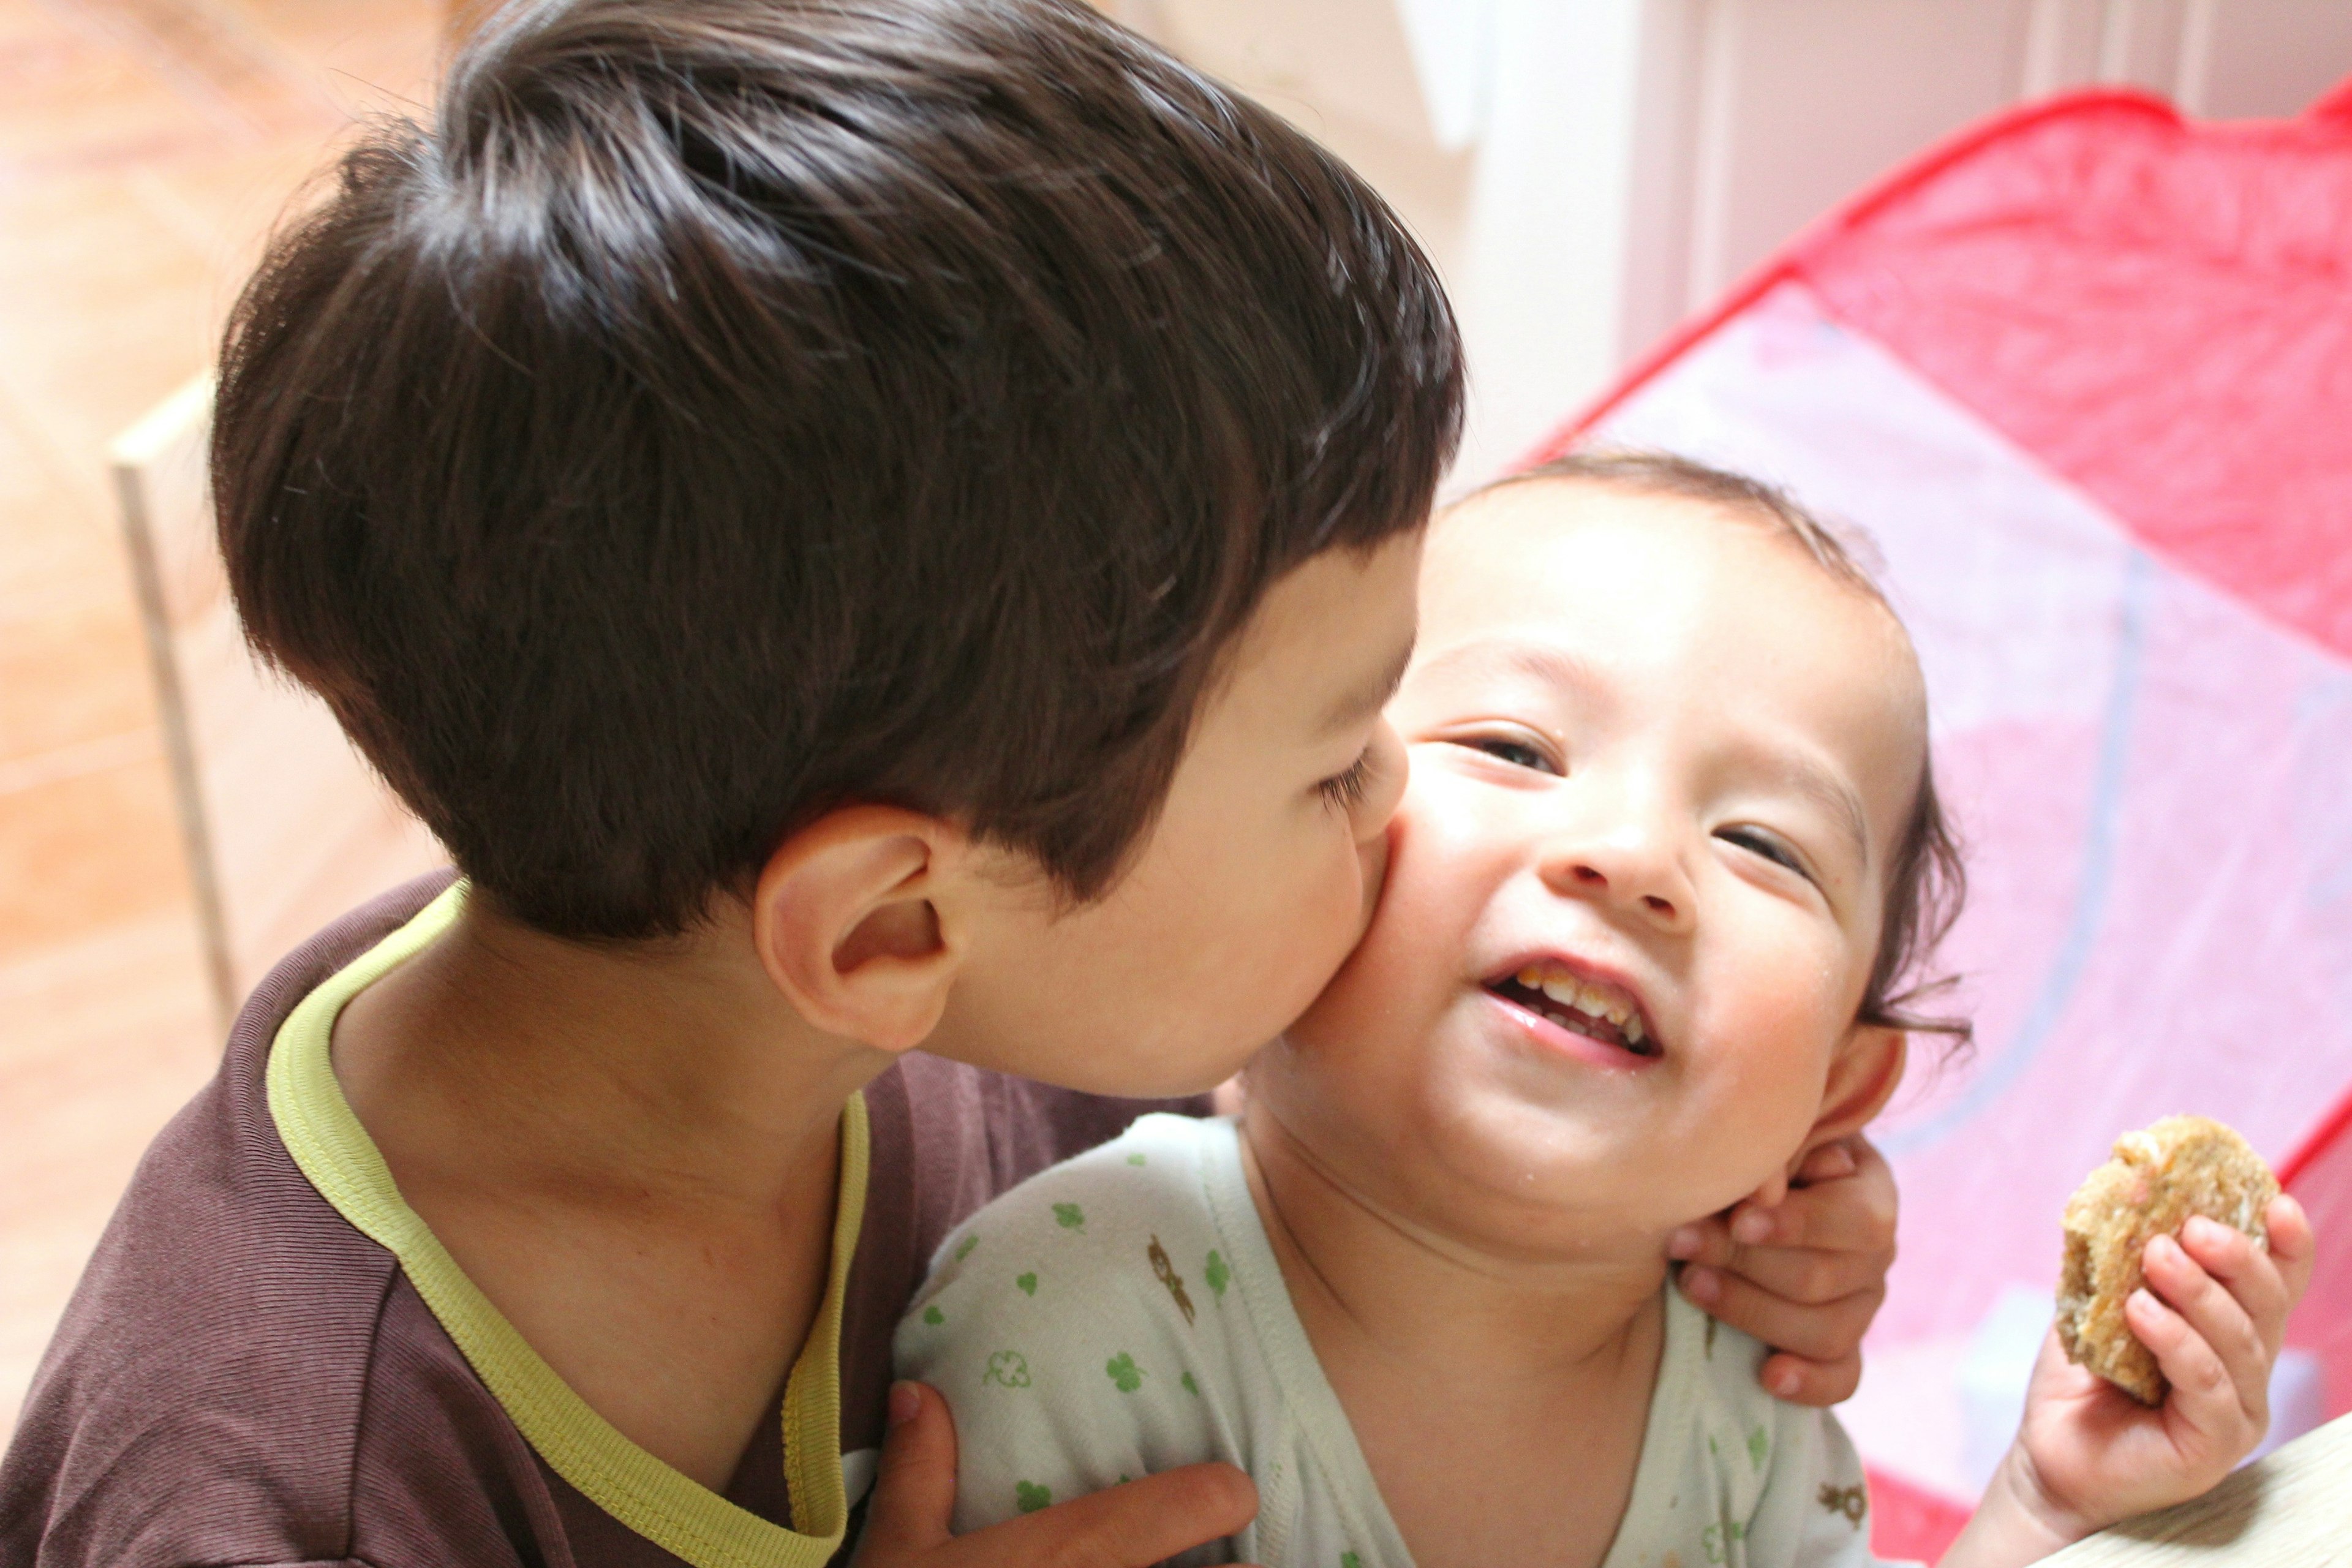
(933,1316)
(1029,1497)
(1218,1276)
(1124,1373)
(1069,1216)
(1007,1369)
(1026,1283)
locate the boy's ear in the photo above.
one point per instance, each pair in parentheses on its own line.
(1864,1078)
(859,921)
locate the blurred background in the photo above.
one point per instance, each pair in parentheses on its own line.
(1586,174)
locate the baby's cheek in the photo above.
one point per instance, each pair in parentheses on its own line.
(1411,953)
(1778,1046)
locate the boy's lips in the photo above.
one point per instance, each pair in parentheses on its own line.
(1572,997)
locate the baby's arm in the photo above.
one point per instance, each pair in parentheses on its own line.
(2089,1454)
(1805,1275)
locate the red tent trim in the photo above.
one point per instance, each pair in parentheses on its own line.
(1788,263)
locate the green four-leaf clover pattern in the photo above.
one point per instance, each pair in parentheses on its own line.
(1029,1497)
(1124,1373)
(1025,1283)
(1069,1216)
(1218,1276)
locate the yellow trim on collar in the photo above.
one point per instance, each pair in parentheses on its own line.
(679,1515)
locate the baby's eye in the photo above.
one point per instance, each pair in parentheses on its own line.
(1765,845)
(1505,749)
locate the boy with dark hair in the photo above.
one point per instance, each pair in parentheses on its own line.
(860,525)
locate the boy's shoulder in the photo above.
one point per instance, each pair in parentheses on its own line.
(203,1397)
(242,1376)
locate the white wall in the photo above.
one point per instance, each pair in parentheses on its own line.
(1585,173)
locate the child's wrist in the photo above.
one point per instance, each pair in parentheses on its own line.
(2019,1521)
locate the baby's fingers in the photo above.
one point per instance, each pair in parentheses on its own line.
(2291,1245)
(2250,1274)
(2215,1317)
(1826,1329)
(2204,1416)
(1818,1384)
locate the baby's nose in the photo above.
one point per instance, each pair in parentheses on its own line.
(1634,870)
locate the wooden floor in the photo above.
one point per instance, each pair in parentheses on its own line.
(145,148)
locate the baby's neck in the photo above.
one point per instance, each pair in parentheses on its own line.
(1405,1289)
(1499,1400)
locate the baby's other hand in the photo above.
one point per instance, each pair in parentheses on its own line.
(2215,1315)
(1804,1275)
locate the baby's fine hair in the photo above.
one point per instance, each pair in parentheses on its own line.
(1929,881)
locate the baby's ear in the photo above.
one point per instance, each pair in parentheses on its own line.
(1862,1077)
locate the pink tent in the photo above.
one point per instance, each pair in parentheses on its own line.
(2084,378)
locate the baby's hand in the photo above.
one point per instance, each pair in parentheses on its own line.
(2089,1454)
(1804,1275)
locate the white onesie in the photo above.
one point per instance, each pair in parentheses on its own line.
(1123,1314)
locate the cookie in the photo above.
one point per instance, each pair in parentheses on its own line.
(2183,1165)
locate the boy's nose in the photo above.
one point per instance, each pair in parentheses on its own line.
(1389,763)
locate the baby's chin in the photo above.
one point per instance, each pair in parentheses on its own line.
(1482,1171)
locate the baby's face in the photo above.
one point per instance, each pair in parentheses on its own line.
(1661,760)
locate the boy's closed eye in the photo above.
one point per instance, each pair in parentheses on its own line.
(1344,791)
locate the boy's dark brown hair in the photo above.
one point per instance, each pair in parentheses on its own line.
(729,409)
(1928,880)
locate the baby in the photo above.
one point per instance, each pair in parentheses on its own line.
(1669,853)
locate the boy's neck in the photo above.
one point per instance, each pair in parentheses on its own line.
(596,1071)
(1405,1289)
(632,1153)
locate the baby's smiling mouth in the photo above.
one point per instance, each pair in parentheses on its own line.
(1579,1004)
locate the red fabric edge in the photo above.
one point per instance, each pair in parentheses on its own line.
(2335,1125)
(1790,259)
(1909,1520)
(2336,103)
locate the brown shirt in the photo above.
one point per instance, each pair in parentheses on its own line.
(244,1378)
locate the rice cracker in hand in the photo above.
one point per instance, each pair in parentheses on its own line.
(2183,1165)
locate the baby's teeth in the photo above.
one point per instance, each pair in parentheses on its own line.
(1591,1000)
